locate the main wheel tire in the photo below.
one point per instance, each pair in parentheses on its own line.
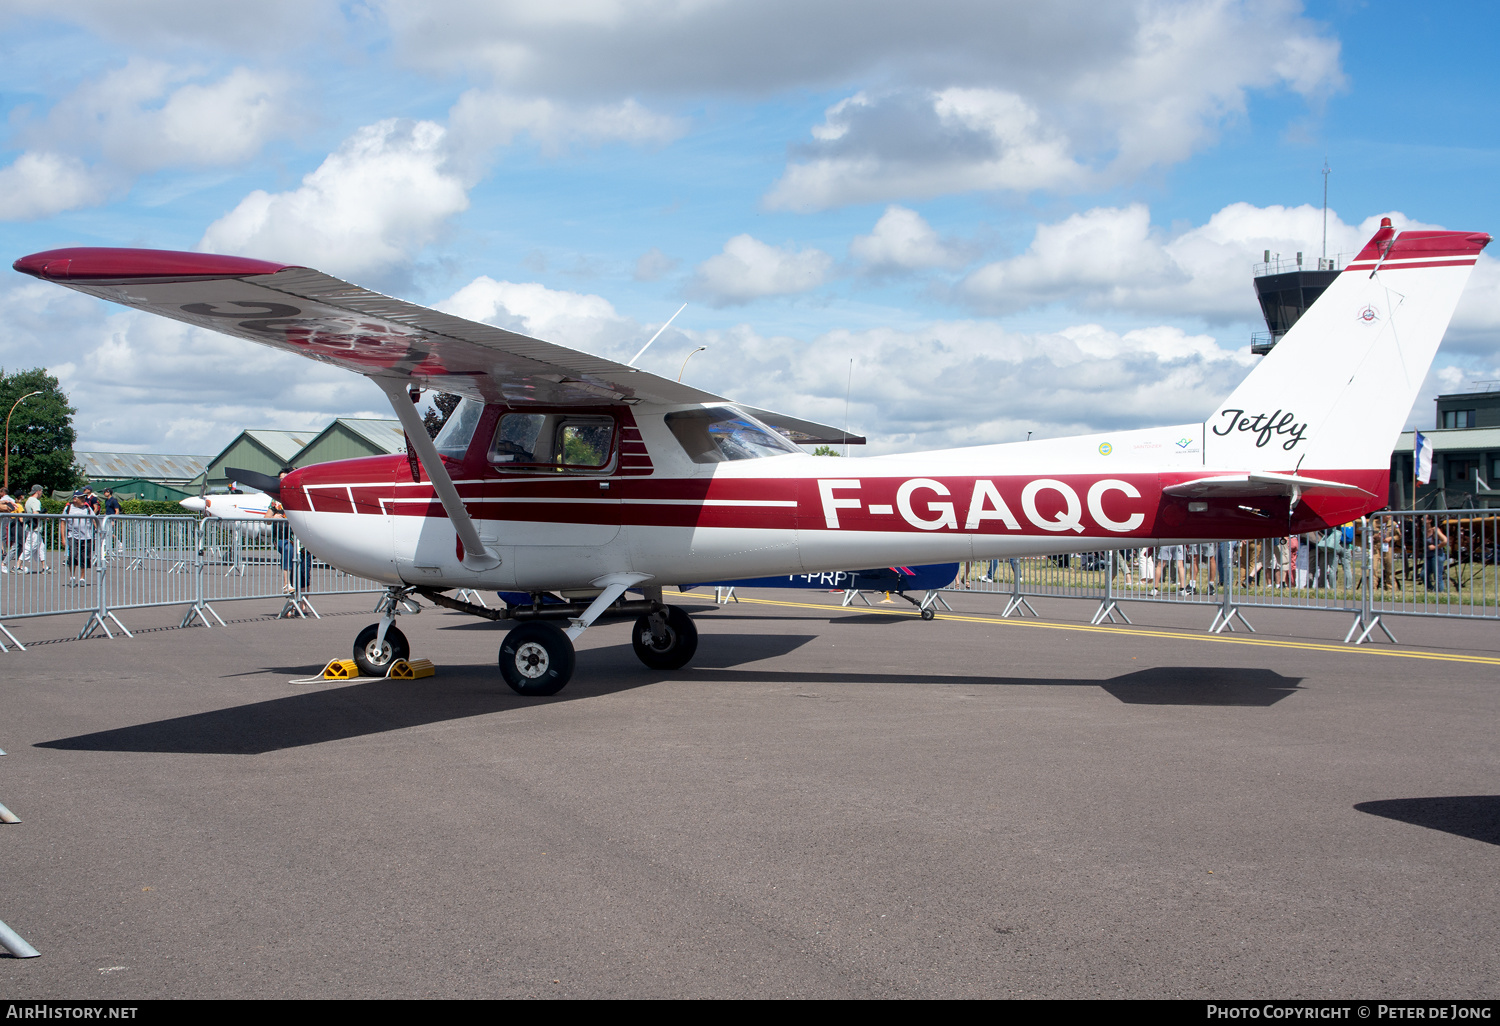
(678,647)
(536,659)
(374,662)
(929,614)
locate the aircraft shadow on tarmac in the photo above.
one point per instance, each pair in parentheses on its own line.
(1476,816)
(335,712)
(332,712)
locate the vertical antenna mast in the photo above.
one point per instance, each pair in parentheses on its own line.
(1323,264)
(848,387)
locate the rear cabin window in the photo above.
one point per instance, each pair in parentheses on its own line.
(721,434)
(533,442)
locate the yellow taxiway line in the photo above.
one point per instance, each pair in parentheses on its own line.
(1223,639)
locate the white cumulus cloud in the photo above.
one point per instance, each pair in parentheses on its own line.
(141,117)
(903,240)
(42,184)
(1103,110)
(749,269)
(1114,258)
(927,143)
(367,209)
(482,119)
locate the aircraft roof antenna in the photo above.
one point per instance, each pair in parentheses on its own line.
(1322,264)
(848,387)
(653,338)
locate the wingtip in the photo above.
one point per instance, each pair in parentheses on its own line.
(90,263)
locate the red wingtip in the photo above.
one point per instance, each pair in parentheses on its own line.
(97,264)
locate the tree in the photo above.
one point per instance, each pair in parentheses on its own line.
(826,450)
(41,432)
(443,405)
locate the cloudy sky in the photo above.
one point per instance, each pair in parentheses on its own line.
(1009,216)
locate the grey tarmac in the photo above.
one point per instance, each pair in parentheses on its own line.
(827,803)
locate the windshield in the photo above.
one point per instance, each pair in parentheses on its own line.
(458,430)
(720,434)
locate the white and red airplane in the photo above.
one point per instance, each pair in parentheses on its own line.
(563,472)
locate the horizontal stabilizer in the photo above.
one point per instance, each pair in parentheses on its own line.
(1244,486)
(803,432)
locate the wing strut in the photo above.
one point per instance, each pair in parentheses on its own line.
(476,556)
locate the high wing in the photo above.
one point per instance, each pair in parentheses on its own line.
(300,310)
(1260,484)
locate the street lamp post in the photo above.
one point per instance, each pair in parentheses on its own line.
(694,353)
(13,406)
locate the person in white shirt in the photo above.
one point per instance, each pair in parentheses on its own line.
(35,547)
(80,521)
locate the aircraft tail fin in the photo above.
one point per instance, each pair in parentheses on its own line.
(1335,391)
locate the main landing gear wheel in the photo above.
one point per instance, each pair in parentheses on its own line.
(929,614)
(374,661)
(536,658)
(668,644)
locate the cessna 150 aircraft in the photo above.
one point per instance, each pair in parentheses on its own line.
(563,472)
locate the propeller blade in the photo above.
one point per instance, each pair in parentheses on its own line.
(260,482)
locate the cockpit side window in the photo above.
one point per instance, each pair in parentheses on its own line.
(453,440)
(720,434)
(563,442)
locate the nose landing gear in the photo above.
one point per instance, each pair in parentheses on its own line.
(374,656)
(381,644)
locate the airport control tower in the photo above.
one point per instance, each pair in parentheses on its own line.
(1285,290)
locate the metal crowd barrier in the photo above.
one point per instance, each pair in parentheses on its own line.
(109,564)
(1394,563)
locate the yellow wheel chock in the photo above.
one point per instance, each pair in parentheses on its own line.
(340,669)
(403,669)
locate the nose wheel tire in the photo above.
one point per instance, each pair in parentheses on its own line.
(536,658)
(373,660)
(671,645)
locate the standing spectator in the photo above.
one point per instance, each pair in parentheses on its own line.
(1148,567)
(111,506)
(1389,537)
(286,544)
(80,534)
(10,530)
(1169,561)
(36,542)
(1437,556)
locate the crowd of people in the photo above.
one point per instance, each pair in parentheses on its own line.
(23,536)
(1317,560)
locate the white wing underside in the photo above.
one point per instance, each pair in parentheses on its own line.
(316,315)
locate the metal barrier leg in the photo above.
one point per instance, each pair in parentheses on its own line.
(1017,601)
(13,942)
(470,595)
(12,637)
(296,603)
(1225,616)
(98,619)
(1108,606)
(200,608)
(1367,615)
